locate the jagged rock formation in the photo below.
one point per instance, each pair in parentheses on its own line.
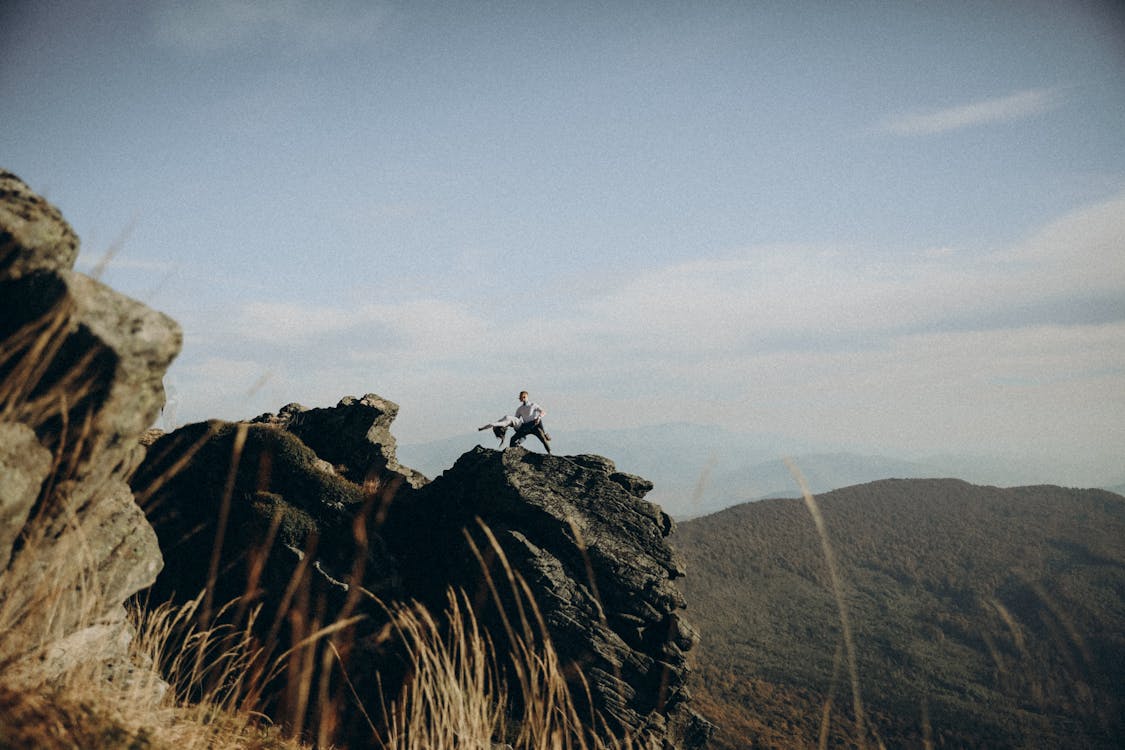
(595,556)
(355,437)
(250,511)
(80,380)
(314,490)
(271,500)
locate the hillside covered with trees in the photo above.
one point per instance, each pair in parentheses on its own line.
(980,617)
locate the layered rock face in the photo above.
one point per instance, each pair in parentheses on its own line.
(594,555)
(80,380)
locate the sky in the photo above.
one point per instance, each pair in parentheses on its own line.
(890,227)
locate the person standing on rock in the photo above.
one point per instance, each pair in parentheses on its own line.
(528,420)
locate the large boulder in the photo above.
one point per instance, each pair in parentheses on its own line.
(273,490)
(280,517)
(80,380)
(24,465)
(268,501)
(33,234)
(595,558)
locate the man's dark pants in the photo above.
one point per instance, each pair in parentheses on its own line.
(531,428)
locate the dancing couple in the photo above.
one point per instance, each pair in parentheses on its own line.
(528,420)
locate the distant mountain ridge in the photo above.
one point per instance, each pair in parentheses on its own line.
(982,616)
(699,469)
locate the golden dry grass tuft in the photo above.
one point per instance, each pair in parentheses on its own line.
(191,688)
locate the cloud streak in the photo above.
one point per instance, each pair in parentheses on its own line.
(1016,106)
(847,346)
(762,299)
(772,294)
(421,328)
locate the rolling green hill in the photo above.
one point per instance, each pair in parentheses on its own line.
(982,617)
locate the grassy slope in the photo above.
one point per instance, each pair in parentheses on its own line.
(999,614)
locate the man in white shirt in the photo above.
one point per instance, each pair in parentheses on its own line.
(530,422)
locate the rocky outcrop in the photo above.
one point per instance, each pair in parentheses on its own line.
(24,465)
(274,490)
(33,234)
(80,380)
(269,502)
(305,493)
(282,515)
(595,557)
(355,437)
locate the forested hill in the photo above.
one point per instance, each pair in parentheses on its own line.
(982,617)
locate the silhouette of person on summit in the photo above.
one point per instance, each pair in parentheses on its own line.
(528,420)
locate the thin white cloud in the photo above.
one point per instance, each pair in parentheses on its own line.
(423,327)
(293,322)
(1020,389)
(1015,106)
(925,351)
(763,298)
(205,26)
(1083,248)
(768,296)
(696,320)
(430,328)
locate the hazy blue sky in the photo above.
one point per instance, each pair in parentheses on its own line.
(890,226)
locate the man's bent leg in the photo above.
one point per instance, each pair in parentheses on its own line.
(521,432)
(542,435)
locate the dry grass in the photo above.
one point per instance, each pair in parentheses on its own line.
(845,621)
(176,685)
(75,670)
(463,694)
(192,688)
(457,699)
